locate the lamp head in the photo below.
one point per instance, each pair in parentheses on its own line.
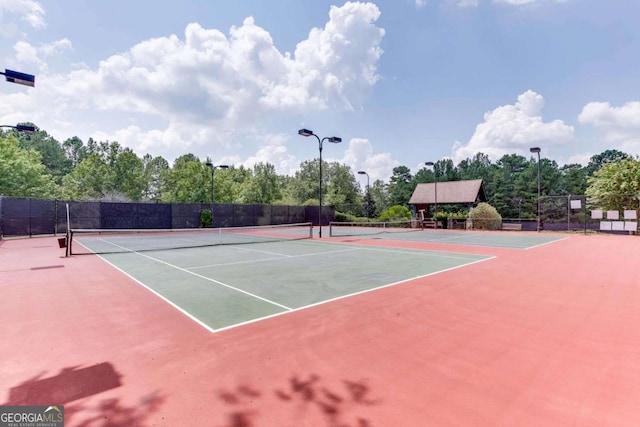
(534,149)
(335,139)
(362,173)
(305,132)
(429,164)
(26,128)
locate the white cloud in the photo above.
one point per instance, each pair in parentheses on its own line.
(360,156)
(421,3)
(514,128)
(29,11)
(205,91)
(621,125)
(28,54)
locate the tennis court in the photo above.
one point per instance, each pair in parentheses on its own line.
(373,333)
(384,231)
(219,281)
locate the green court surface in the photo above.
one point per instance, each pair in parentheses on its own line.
(506,239)
(223,286)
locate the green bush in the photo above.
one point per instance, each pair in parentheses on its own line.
(485,217)
(396,213)
(345,217)
(205,218)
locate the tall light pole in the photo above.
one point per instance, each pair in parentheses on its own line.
(19,78)
(537,151)
(368,194)
(435,190)
(213,168)
(334,140)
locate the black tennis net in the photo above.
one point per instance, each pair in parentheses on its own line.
(101,241)
(337,229)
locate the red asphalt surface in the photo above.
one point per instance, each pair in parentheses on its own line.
(543,337)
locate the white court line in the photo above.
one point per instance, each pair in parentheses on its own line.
(168,301)
(275,258)
(348,296)
(206,278)
(419,252)
(288,309)
(545,243)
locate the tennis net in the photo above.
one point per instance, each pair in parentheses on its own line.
(102,241)
(337,229)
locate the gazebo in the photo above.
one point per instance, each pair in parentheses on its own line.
(426,196)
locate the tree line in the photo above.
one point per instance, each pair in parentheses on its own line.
(37,165)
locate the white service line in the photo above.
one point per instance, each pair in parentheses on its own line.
(209,279)
(275,258)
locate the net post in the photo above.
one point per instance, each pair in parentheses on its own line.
(67,251)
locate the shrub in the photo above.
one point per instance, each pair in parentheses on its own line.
(345,217)
(205,218)
(485,217)
(396,213)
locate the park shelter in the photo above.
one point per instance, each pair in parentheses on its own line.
(466,193)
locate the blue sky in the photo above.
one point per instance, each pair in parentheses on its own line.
(401,81)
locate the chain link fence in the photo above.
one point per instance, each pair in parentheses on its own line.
(584,213)
(30,217)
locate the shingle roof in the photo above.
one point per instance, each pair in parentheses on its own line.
(449,192)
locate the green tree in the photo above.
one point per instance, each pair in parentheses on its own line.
(89,180)
(342,186)
(575,178)
(379,196)
(21,172)
(229,183)
(129,175)
(188,181)
(401,186)
(156,171)
(304,185)
(479,167)
(53,155)
(616,185)
(74,150)
(513,185)
(263,186)
(607,156)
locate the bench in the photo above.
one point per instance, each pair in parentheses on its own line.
(431,224)
(512,227)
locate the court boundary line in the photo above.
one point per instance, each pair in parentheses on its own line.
(546,243)
(163,298)
(452,240)
(204,278)
(225,328)
(287,309)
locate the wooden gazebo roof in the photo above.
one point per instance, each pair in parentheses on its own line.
(449,192)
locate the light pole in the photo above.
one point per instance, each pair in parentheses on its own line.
(213,168)
(537,151)
(21,128)
(334,140)
(435,190)
(19,78)
(368,194)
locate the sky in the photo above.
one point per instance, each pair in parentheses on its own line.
(402,82)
